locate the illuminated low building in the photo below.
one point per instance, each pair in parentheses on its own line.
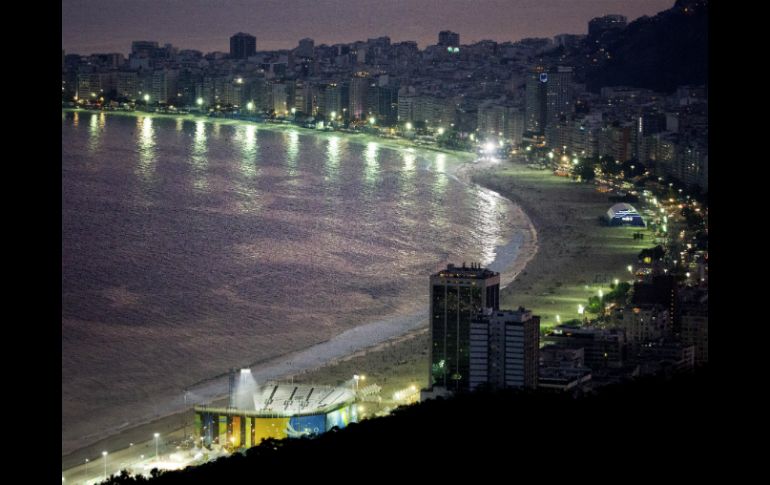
(276,411)
(623,214)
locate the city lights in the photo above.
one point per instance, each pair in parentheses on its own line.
(275,206)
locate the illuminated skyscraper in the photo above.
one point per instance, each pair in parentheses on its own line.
(535,102)
(457,296)
(559,94)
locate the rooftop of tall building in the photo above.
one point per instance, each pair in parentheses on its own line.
(475,271)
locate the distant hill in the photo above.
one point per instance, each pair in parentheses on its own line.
(658,53)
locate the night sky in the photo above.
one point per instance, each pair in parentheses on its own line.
(90,26)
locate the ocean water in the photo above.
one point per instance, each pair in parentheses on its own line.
(190,247)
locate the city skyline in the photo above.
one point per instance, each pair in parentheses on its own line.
(88,27)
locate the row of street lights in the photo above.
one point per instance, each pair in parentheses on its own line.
(104,455)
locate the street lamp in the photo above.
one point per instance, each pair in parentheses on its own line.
(86,466)
(156,435)
(146,98)
(372,120)
(408,126)
(104,454)
(356,377)
(441,131)
(250,106)
(199,101)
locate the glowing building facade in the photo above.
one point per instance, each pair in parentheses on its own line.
(275,411)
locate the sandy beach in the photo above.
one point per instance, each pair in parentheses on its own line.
(576,255)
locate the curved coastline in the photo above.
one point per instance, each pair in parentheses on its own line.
(510,259)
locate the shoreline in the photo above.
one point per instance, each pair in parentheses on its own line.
(577,256)
(520,250)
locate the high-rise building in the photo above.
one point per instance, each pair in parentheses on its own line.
(695,331)
(504,349)
(303,97)
(258,92)
(164,83)
(644,323)
(242,46)
(88,85)
(128,84)
(448,38)
(406,105)
(386,104)
(457,296)
(333,98)
(535,101)
(305,49)
(359,86)
(279,96)
(143,48)
(500,121)
(234,92)
(559,95)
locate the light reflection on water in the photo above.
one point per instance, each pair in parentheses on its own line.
(146,145)
(199,158)
(409,160)
(488,212)
(228,261)
(248,150)
(94,131)
(332,156)
(371,165)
